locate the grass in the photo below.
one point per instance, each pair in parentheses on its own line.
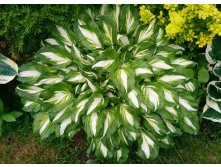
(19,145)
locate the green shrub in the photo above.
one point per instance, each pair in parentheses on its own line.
(23,26)
(212,109)
(120,81)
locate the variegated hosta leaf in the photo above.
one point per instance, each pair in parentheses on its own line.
(118,80)
(42,124)
(153,96)
(189,122)
(8,69)
(62,35)
(31,106)
(54,55)
(148,145)
(102,150)
(127,118)
(111,122)
(217,69)
(212,110)
(129,19)
(124,79)
(155,124)
(93,124)
(28,73)
(145,33)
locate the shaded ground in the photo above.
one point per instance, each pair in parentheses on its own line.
(19,145)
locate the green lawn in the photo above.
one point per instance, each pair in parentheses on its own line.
(19,145)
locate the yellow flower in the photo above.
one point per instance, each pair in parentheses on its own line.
(145,15)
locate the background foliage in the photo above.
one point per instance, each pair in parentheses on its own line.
(23,26)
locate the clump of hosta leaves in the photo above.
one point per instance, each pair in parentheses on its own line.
(212,109)
(115,78)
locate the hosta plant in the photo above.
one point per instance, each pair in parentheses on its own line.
(212,109)
(115,78)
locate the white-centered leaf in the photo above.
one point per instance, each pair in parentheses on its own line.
(182,62)
(56,58)
(132,95)
(58,97)
(147,32)
(31,89)
(96,103)
(189,122)
(30,73)
(140,71)
(103,64)
(146,144)
(64,125)
(44,126)
(186,104)
(94,119)
(65,35)
(91,37)
(79,108)
(172,78)
(123,77)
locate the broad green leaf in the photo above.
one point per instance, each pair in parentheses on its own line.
(203,75)
(8,117)
(64,125)
(159,65)
(16,114)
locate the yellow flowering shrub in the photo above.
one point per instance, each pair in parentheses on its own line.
(146,15)
(195,24)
